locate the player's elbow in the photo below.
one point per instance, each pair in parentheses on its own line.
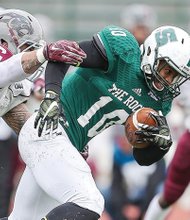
(144,162)
(149,155)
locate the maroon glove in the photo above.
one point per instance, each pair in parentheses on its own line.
(64,51)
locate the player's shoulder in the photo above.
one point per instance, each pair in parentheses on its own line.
(115,30)
(118,40)
(118,35)
(119,43)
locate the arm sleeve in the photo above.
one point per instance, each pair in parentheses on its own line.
(54,74)
(96,57)
(11,70)
(149,155)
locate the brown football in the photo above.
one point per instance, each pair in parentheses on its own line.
(143,116)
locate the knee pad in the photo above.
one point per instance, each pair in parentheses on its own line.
(71,211)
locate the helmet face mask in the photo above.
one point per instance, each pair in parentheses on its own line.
(20,28)
(169,44)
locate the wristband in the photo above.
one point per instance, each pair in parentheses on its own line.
(51,94)
(40,56)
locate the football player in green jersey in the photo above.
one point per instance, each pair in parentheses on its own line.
(115,79)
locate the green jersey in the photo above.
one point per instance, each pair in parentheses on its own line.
(93,99)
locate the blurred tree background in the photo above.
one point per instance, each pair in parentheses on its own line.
(79,19)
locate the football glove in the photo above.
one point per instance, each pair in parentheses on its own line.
(157,135)
(63,51)
(47,118)
(85,152)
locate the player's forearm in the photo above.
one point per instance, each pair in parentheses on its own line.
(11,70)
(178,173)
(16,117)
(53,81)
(30,62)
(149,155)
(18,67)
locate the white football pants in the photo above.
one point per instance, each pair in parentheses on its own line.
(55,173)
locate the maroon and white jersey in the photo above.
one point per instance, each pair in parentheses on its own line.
(14,94)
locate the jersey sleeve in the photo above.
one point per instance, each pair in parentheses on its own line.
(11,70)
(119,43)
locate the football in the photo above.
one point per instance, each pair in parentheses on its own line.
(142,115)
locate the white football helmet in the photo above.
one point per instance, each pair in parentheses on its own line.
(171,44)
(138,15)
(17,28)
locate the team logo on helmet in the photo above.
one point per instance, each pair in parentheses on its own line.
(18,24)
